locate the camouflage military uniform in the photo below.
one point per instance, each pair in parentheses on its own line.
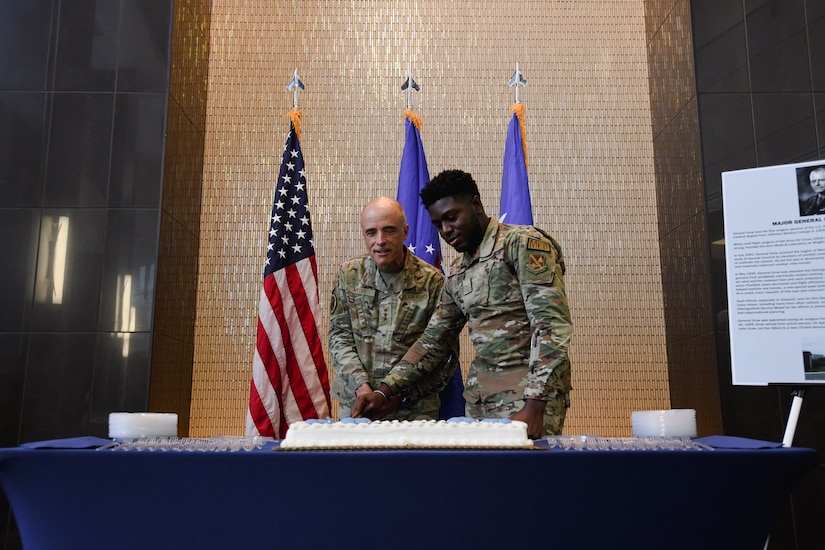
(372,325)
(510,293)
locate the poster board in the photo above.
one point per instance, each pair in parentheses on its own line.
(775,260)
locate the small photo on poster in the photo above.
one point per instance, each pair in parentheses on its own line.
(813,358)
(810,181)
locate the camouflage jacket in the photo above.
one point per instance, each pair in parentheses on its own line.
(510,293)
(372,326)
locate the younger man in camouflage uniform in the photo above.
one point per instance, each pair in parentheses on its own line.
(380,305)
(508,287)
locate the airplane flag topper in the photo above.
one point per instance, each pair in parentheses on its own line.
(517,80)
(410,85)
(295,85)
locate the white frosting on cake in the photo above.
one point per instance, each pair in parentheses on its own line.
(398,434)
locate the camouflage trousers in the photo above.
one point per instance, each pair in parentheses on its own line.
(554,413)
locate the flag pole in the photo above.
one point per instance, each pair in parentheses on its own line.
(290,382)
(518,81)
(422,239)
(515,206)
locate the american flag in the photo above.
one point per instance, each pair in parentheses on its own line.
(515,206)
(289,374)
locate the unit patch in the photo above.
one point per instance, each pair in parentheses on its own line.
(537,263)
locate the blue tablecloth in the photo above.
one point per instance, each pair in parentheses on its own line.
(399,499)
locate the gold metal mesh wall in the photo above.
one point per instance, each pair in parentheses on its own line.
(685,259)
(173,335)
(588,138)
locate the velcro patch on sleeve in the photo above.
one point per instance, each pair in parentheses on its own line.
(537,263)
(535,244)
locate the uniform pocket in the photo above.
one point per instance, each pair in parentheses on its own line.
(364,321)
(412,316)
(495,282)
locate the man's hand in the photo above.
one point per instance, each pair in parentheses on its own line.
(368,404)
(363,389)
(392,405)
(533,414)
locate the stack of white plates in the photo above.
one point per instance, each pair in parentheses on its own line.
(670,423)
(137,425)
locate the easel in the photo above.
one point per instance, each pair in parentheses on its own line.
(793,417)
(790,427)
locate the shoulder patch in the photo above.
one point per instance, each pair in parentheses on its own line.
(537,263)
(535,244)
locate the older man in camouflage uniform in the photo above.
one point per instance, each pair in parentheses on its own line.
(380,305)
(508,287)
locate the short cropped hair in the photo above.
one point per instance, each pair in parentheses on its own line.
(449,183)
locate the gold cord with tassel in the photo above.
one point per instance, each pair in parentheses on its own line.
(414,118)
(518,109)
(295,117)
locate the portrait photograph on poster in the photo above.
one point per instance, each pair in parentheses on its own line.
(811,184)
(775,260)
